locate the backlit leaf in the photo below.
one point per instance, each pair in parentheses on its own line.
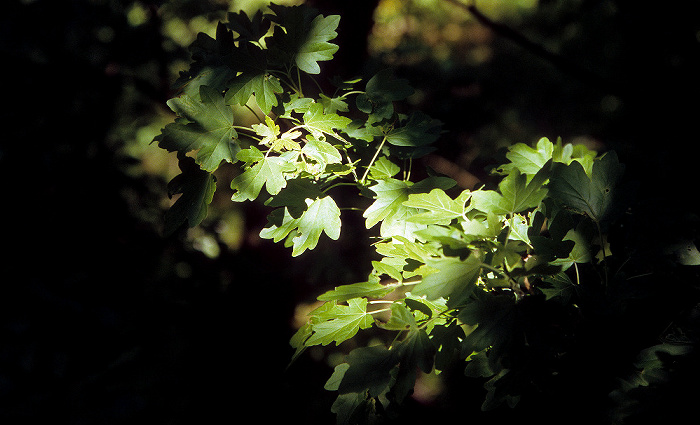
(340,322)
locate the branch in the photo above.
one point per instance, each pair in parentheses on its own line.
(560,62)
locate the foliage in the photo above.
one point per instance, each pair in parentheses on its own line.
(457,270)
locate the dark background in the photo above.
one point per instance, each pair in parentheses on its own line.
(105,321)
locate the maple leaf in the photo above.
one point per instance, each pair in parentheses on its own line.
(268,172)
(264,86)
(392,193)
(197,188)
(381,90)
(441,209)
(455,279)
(337,322)
(249,29)
(516,195)
(205,126)
(594,196)
(317,121)
(322,215)
(303,36)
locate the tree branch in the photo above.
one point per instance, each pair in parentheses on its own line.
(560,62)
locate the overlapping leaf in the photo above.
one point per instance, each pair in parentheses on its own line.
(594,196)
(267,171)
(205,126)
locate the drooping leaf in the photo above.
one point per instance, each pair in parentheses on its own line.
(197,188)
(205,126)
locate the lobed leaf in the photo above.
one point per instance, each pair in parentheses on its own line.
(205,126)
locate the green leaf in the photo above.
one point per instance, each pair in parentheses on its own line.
(268,131)
(381,90)
(454,280)
(516,194)
(371,289)
(210,66)
(303,36)
(369,370)
(415,352)
(322,215)
(441,209)
(205,126)
(401,319)
(383,169)
(280,224)
(558,287)
(268,172)
(593,196)
(197,188)
(530,160)
(264,86)
(322,151)
(391,195)
(519,227)
(317,121)
(494,314)
(419,130)
(249,29)
(338,322)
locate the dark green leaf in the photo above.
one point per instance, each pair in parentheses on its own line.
(593,196)
(197,188)
(305,39)
(205,126)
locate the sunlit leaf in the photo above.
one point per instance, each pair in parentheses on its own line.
(340,322)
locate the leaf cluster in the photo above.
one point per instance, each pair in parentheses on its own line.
(454,267)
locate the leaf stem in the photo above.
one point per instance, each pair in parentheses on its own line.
(374,158)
